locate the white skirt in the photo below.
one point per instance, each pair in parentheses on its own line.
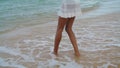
(69,8)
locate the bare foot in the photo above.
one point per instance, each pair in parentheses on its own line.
(77,59)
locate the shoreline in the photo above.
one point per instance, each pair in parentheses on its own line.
(110,16)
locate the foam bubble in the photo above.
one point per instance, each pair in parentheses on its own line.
(15,52)
(107,65)
(72,65)
(12,64)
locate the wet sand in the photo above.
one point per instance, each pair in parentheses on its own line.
(31,47)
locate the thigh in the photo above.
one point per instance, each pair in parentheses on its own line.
(61,22)
(70,22)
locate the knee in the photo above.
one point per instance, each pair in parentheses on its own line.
(68,29)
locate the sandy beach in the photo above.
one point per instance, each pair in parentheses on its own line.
(98,41)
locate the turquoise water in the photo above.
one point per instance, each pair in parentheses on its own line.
(9,8)
(13,11)
(19,12)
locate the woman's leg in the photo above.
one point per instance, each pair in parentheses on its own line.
(71,35)
(60,27)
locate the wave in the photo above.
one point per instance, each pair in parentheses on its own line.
(29,7)
(89,5)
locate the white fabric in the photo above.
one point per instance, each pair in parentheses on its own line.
(70,8)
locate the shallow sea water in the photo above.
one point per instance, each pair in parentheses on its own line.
(98,44)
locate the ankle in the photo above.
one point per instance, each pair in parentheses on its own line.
(55,53)
(77,54)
